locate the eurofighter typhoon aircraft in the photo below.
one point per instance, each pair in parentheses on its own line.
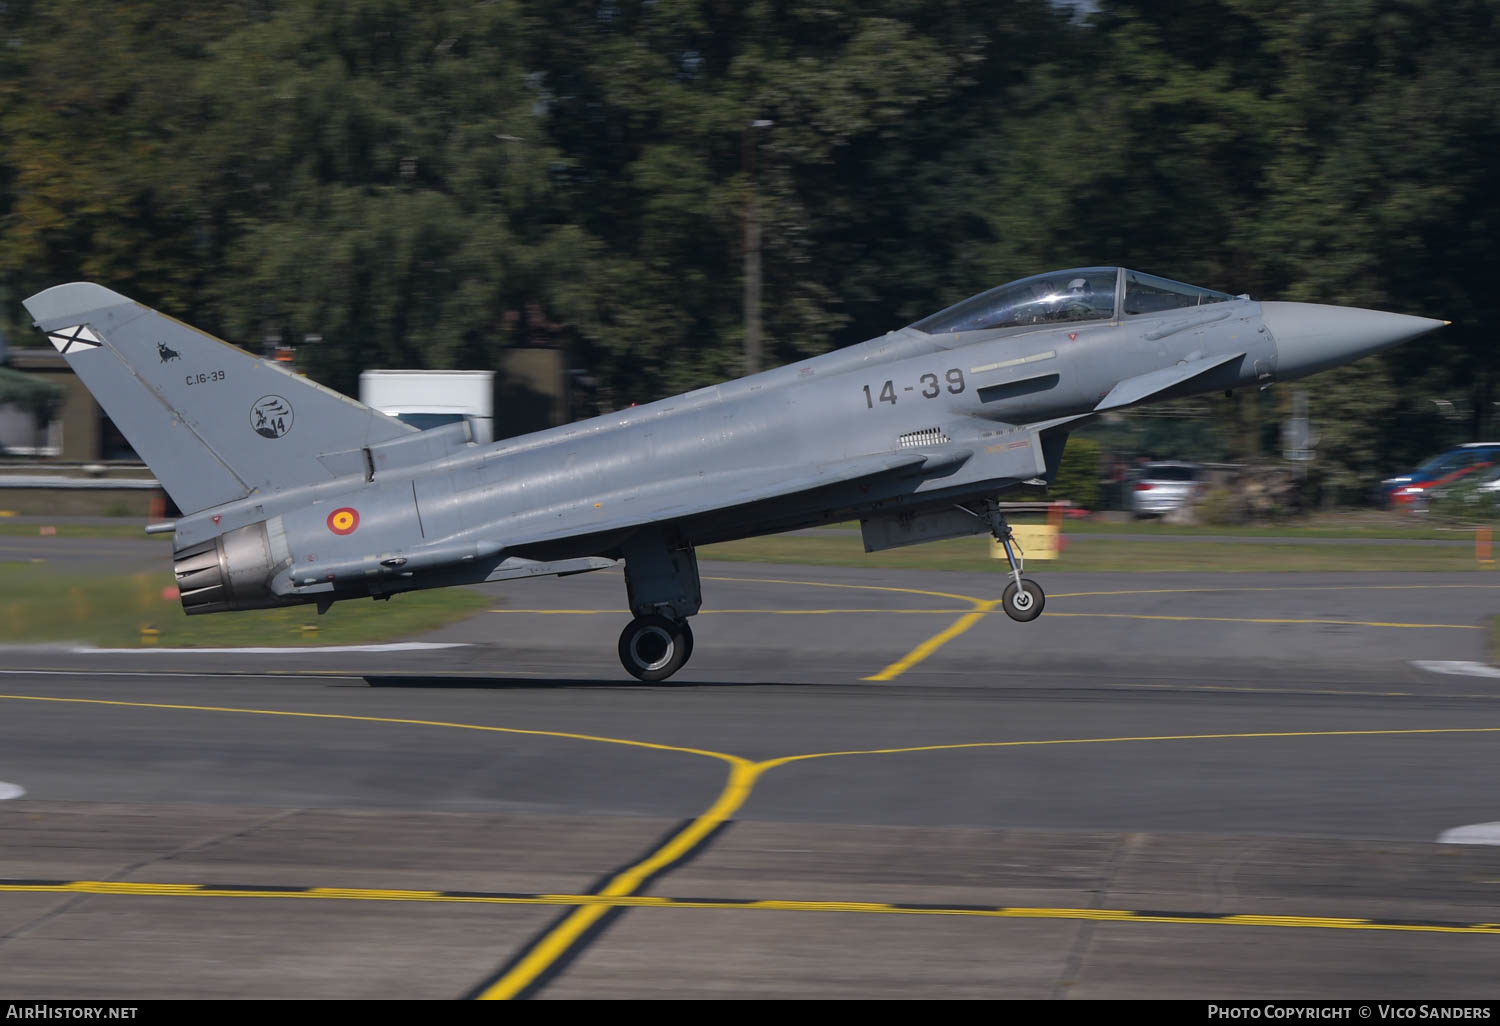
(292,493)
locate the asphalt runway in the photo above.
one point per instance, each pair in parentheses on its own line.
(102,555)
(867,783)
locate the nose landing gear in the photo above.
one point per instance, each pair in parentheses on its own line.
(1023,599)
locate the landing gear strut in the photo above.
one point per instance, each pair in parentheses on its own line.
(661,581)
(1023,599)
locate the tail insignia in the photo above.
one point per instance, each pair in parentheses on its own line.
(74,340)
(271,416)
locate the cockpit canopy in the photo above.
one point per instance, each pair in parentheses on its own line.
(1080,294)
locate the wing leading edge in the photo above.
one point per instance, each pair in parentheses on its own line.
(1143,386)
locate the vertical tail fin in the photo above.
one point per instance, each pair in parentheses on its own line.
(213,422)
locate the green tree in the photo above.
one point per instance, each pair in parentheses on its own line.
(96,110)
(1079,473)
(387,185)
(651,106)
(426,185)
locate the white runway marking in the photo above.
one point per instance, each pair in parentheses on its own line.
(400,646)
(1456,666)
(10,790)
(1474,833)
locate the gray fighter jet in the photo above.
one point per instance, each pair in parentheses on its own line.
(292,493)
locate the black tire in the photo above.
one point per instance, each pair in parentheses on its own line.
(652,648)
(1023,606)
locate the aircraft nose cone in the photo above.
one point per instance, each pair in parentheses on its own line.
(1311,337)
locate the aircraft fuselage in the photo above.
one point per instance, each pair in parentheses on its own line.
(293,493)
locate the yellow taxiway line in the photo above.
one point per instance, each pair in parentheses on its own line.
(541,956)
(178,890)
(979,608)
(1274,620)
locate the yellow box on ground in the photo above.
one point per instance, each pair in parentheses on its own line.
(1037,541)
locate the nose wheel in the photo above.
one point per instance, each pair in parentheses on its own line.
(1023,599)
(652,648)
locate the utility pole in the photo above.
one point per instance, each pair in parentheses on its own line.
(752,248)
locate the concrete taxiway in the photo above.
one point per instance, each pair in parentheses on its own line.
(866,783)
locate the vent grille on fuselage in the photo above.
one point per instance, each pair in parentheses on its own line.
(927,436)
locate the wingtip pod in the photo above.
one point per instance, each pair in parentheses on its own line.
(70,302)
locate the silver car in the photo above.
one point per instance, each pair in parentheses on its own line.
(1161,488)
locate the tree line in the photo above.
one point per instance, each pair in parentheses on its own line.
(421,185)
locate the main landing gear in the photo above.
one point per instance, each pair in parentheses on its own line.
(661,580)
(1023,599)
(653,647)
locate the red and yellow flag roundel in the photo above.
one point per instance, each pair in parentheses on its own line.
(343,520)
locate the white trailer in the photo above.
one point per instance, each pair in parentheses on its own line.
(431,398)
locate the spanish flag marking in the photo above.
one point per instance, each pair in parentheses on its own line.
(343,520)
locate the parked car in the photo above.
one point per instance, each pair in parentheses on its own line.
(1411,491)
(1476,494)
(1161,488)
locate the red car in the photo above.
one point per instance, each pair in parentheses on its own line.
(1410,491)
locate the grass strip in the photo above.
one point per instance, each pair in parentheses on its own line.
(37,605)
